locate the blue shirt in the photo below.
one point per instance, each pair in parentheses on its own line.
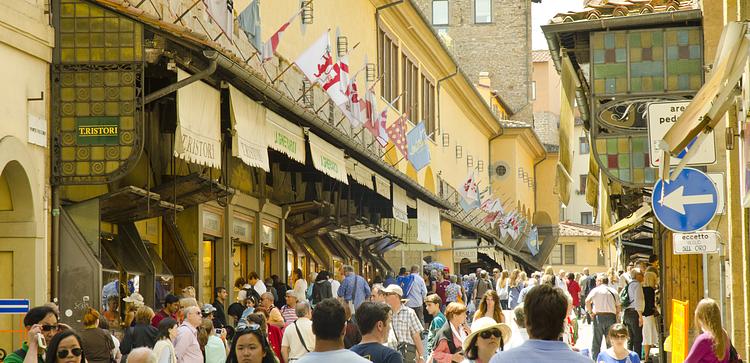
(540,351)
(606,358)
(346,290)
(417,292)
(514,294)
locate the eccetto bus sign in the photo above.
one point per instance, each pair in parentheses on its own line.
(695,242)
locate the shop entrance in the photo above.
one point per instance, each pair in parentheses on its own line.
(208,272)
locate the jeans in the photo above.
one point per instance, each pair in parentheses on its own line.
(630,319)
(601,328)
(504,304)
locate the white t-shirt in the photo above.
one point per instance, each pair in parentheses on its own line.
(291,338)
(334,287)
(260,287)
(341,355)
(300,289)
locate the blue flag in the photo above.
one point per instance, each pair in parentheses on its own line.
(532,242)
(418,147)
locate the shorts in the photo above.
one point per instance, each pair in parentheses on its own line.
(650,333)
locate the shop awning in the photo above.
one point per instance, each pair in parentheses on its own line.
(192,189)
(399,204)
(428,224)
(567,129)
(249,141)
(628,223)
(198,135)
(383,186)
(360,173)
(285,137)
(133,204)
(327,158)
(714,98)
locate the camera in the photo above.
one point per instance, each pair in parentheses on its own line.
(218,331)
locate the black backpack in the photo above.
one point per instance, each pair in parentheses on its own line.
(250,292)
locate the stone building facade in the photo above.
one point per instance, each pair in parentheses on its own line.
(497,43)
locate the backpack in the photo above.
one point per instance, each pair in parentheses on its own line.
(251,292)
(405,283)
(625,296)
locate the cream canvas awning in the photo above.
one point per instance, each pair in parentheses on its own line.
(567,129)
(328,158)
(285,137)
(428,224)
(360,173)
(716,95)
(382,186)
(399,204)
(249,126)
(627,223)
(198,136)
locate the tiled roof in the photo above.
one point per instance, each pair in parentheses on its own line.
(514,124)
(540,56)
(552,148)
(597,9)
(570,229)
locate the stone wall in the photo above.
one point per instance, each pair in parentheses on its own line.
(501,48)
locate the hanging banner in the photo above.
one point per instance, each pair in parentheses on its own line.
(382,186)
(360,173)
(198,136)
(285,137)
(418,147)
(399,204)
(423,221)
(328,158)
(249,126)
(436,237)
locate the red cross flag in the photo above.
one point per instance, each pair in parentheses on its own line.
(269,47)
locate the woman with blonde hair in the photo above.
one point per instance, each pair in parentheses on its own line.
(502,289)
(515,285)
(712,345)
(489,307)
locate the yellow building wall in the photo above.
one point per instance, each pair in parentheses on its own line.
(586,255)
(547,211)
(516,193)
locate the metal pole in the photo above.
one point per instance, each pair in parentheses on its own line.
(705,275)
(179,84)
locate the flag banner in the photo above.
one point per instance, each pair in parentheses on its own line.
(397,134)
(221,13)
(316,62)
(352,108)
(469,192)
(269,47)
(492,205)
(249,21)
(417,146)
(532,241)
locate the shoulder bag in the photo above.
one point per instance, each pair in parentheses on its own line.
(408,351)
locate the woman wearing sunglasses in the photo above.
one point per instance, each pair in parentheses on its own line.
(451,336)
(250,346)
(486,338)
(618,353)
(65,347)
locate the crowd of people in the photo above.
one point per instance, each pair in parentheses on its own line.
(417,316)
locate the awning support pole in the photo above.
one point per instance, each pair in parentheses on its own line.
(273,81)
(179,84)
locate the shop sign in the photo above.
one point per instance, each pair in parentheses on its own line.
(98,130)
(464,249)
(661,117)
(211,223)
(37,130)
(241,229)
(695,243)
(268,236)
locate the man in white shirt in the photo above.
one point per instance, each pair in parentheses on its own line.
(186,346)
(328,325)
(256,283)
(298,338)
(606,306)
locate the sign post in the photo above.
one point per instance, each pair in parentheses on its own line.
(661,117)
(679,333)
(687,203)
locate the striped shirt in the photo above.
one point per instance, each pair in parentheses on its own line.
(289,314)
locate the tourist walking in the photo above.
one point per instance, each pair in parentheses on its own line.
(298,338)
(186,346)
(451,336)
(432,304)
(633,310)
(354,290)
(487,337)
(415,292)
(602,305)
(328,322)
(374,322)
(618,353)
(164,348)
(489,307)
(95,341)
(502,289)
(406,326)
(250,345)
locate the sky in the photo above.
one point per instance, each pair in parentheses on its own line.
(542,12)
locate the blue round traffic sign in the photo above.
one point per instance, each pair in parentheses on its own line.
(687,203)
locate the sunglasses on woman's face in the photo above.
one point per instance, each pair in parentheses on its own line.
(50,327)
(64,353)
(488,333)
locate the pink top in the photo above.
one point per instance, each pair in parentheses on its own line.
(442,353)
(702,351)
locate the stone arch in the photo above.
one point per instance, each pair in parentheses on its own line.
(16,167)
(411,172)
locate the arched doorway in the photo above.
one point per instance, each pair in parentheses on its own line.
(22,249)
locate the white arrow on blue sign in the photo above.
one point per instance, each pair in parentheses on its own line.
(14,306)
(687,203)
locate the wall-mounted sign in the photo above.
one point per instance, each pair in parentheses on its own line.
(695,243)
(98,130)
(242,229)
(661,117)
(211,223)
(37,130)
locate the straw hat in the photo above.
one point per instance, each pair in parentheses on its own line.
(134,298)
(485,324)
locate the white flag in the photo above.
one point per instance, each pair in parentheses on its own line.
(316,62)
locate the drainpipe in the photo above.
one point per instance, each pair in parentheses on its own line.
(437,88)
(179,84)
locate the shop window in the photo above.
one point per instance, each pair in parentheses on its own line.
(440,12)
(570,254)
(410,90)
(587,218)
(388,67)
(482,11)
(428,107)
(207,270)
(239,259)
(290,263)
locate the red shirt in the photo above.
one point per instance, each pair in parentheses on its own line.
(575,291)
(440,290)
(161,315)
(274,338)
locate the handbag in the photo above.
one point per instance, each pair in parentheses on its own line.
(408,351)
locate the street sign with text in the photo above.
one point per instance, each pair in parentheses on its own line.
(661,116)
(14,306)
(695,243)
(687,203)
